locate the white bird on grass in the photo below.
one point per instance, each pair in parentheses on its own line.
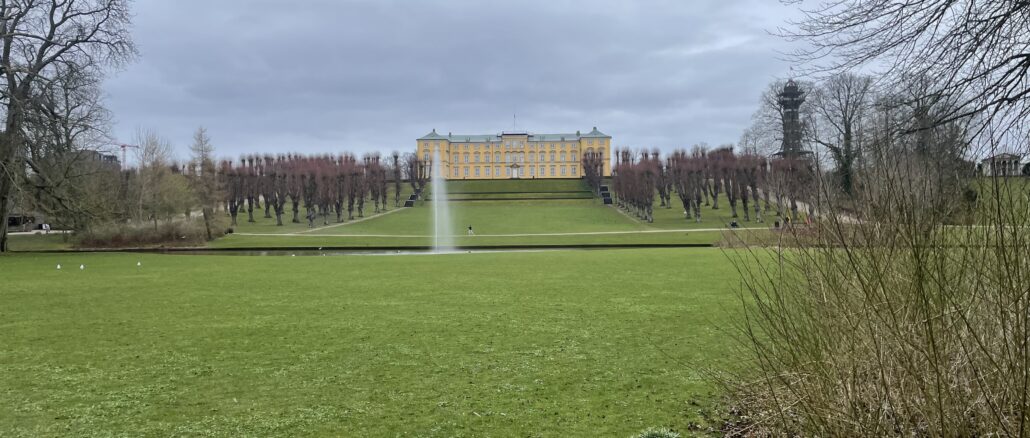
(82,267)
(138,264)
(58,266)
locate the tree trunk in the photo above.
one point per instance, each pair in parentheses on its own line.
(5,210)
(268,209)
(8,146)
(296,212)
(250,209)
(207,222)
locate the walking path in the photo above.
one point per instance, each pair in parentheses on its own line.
(334,225)
(26,233)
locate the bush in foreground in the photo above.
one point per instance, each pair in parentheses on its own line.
(895,321)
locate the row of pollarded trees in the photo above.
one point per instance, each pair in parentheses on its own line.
(323,185)
(700,176)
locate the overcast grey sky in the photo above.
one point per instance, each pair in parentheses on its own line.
(328,76)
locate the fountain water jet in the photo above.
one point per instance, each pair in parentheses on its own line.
(443,238)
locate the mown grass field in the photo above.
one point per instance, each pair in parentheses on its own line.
(559,343)
(38,242)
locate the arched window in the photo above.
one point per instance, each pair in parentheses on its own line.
(497,157)
(455,159)
(542,157)
(466,158)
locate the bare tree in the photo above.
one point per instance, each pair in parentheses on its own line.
(841,103)
(65,133)
(163,189)
(975,51)
(418,173)
(39,40)
(203,179)
(395,162)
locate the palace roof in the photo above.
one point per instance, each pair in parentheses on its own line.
(483,138)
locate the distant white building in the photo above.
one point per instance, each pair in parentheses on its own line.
(1003,164)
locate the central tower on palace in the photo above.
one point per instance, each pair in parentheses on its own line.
(514,155)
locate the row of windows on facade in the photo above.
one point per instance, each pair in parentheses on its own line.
(565,171)
(509,145)
(508,157)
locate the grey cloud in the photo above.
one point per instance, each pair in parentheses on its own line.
(327,76)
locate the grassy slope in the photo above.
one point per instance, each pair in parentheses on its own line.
(1012,195)
(517,186)
(504,217)
(589,343)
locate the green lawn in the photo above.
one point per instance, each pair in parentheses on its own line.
(38,242)
(1011,195)
(495,223)
(500,217)
(560,343)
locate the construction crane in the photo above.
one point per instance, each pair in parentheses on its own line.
(125,147)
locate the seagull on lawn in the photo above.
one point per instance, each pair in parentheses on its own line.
(82,267)
(58,266)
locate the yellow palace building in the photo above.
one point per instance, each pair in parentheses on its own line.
(512,155)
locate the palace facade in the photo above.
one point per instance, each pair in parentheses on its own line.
(514,155)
